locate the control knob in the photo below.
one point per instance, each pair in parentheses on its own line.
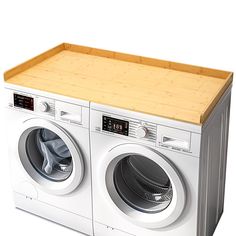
(43,106)
(141,132)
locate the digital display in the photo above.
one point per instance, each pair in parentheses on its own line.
(23,102)
(115,125)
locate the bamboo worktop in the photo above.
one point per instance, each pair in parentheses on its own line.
(161,88)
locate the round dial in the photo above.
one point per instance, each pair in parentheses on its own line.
(141,132)
(43,106)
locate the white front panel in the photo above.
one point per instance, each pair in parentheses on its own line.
(177,141)
(78,201)
(56,214)
(113,217)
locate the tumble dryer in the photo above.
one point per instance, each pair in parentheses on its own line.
(48,139)
(155,176)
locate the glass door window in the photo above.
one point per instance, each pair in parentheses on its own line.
(49,155)
(142,184)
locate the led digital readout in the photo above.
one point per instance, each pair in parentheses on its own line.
(115,125)
(23,102)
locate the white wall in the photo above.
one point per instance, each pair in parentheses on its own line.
(194,32)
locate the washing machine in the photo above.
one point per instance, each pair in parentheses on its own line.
(156,176)
(48,139)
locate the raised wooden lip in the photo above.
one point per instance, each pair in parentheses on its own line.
(220,74)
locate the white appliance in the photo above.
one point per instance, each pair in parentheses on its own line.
(155,176)
(48,137)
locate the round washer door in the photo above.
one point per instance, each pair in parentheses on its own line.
(144,185)
(50,156)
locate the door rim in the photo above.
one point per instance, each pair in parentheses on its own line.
(77,174)
(154,220)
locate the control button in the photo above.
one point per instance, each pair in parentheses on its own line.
(43,106)
(141,132)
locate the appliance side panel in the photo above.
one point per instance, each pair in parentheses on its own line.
(213,157)
(225,116)
(204,159)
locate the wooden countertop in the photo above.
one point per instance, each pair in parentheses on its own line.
(162,88)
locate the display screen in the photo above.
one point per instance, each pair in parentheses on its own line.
(23,102)
(115,125)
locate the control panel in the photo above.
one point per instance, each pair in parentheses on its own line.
(144,130)
(31,103)
(47,107)
(44,106)
(123,126)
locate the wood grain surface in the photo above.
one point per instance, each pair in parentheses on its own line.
(167,89)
